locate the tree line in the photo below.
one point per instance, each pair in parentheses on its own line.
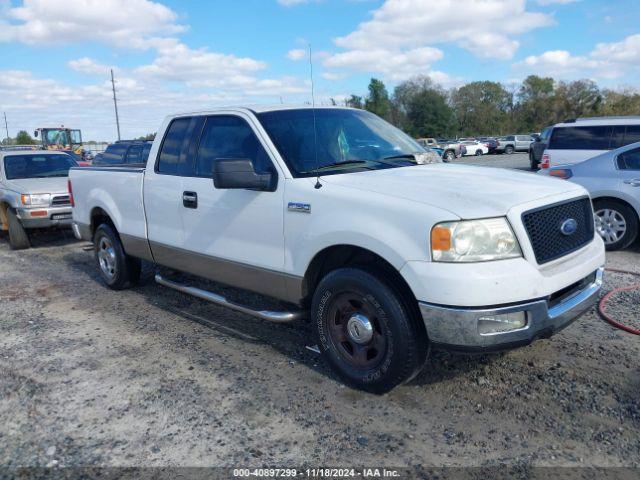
(423,108)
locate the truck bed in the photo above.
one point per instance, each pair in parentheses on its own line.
(115,189)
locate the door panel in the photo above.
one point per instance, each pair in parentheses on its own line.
(235,230)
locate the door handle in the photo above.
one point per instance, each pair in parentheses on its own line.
(634,182)
(190,199)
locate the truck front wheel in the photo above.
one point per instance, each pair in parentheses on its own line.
(117,269)
(18,238)
(367,331)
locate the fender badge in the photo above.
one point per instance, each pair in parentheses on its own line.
(299,207)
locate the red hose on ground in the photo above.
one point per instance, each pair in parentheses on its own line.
(603,302)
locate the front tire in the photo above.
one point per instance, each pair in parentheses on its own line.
(532,162)
(18,237)
(449,156)
(478,153)
(616,223)
(367,331)
(117,269)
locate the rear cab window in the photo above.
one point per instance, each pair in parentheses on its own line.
(173,156)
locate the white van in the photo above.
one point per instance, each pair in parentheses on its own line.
(576,140)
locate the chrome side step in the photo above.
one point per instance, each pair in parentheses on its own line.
(277,317)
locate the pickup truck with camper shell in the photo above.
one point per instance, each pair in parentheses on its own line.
(329,211)
(33,192)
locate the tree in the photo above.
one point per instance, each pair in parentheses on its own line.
(378,100)
(354,101)
(147,137)
(23,138)
(420,108)
(535,103)
(576,99)
(481,107)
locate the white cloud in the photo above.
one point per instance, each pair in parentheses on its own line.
(89,66)
(556,2)
(124,23)
(392,65)
(403,24)
(605,61)
(297,54)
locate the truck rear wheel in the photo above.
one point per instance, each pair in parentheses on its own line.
(18,237)
(509,149)
(117,269)
(366,330)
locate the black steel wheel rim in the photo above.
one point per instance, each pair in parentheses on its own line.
(362,356)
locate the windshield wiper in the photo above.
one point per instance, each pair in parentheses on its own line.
(407,156)
(339,164)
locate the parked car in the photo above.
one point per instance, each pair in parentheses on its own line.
(574,141)
(537,148)
(132,152)
(491,144)
(514,143)
(452,149)
(33,192)
(613,181)
(327,210)
(474,147)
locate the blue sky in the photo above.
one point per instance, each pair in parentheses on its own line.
(174,56)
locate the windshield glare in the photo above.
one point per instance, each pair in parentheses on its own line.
(342,136)
(37,166)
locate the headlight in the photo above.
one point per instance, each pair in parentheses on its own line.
(474,241)
(40,200)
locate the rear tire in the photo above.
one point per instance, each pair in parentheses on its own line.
(367,332)
(117,269)
(616,223)
(18,237)
(508,150)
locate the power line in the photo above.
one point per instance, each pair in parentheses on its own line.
(115,103)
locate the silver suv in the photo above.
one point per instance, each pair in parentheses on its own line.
(33,192)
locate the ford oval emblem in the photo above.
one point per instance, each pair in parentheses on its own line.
(569,226)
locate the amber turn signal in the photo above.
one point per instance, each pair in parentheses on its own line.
(440,238)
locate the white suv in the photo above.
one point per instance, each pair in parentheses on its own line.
(577,140)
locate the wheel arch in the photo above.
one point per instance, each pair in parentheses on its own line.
(99,216)
(622,201)
(346,255)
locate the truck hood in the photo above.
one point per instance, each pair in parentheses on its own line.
(467,191)
(38,185)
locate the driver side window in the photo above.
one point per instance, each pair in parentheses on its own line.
(228,136)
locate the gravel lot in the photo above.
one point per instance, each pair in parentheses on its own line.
(150,377)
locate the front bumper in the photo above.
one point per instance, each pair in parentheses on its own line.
(456,328)
(45,217)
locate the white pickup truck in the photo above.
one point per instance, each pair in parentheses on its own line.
(328,210)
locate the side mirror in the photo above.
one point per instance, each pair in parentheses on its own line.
(238,173)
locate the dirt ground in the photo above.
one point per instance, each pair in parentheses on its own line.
(151,377)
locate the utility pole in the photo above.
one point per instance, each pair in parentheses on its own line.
(6,127)
(115,102)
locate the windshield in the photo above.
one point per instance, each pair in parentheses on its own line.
(347,140)
(56,136)
(37,166)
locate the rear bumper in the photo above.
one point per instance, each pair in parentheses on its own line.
(456,328)
(45,217)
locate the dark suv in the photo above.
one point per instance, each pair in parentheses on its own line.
(124,152)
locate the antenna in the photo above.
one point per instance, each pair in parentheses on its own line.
(315,130)
(115,102)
